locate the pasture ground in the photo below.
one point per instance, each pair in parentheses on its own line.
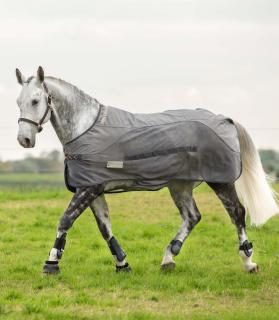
(208,282)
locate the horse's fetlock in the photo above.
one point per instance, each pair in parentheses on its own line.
(247,248)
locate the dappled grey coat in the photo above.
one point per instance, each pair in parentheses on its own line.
(152,149)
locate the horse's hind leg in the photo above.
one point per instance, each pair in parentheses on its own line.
(100,210)
(181,193)
(227,194)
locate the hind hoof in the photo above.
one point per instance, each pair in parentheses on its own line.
(124,268)
(51,267)
(168,266)
(255,269)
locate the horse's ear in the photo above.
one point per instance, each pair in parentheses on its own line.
(41,74)
(20,77)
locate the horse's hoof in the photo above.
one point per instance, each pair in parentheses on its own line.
(124,268)
(255,269)
(51,267)
(168,266)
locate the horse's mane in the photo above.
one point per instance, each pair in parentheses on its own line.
(76,92)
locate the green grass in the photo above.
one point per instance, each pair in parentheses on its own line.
(208,282)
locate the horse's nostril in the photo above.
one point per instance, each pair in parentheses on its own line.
(27,141)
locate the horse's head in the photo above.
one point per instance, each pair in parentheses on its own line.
(35,107)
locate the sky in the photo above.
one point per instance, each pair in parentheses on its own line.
(146,56)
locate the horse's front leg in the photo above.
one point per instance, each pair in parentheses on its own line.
(100,210)
(80,201)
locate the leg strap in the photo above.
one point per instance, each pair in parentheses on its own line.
(51,262)
(116,250)
(59,244)
(175,247)
(246,246)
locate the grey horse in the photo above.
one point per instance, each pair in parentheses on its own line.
(72,113)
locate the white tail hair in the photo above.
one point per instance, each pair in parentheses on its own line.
(252,186)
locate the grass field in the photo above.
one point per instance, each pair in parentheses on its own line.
(208,282)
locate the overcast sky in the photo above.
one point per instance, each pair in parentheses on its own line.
(146,56)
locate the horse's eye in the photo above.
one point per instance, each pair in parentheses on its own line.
(34,102)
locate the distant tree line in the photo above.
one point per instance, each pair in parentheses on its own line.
(46,162)
(53,162)
(270,161)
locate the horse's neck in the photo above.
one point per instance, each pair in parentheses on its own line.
(74,111)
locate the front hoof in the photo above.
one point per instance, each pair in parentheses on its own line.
(124,268)
(168,266)
(51,267)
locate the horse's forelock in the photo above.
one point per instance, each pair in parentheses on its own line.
(29,79)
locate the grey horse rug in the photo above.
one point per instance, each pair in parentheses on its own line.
(152,149)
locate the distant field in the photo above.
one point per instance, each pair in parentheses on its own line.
(23,180)
(208,282)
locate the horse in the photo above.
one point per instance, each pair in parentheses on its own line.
(72,112)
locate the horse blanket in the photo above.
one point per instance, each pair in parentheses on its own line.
(152,149)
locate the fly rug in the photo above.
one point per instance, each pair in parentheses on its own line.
(110,150)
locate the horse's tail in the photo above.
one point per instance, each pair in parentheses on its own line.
(252,187)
